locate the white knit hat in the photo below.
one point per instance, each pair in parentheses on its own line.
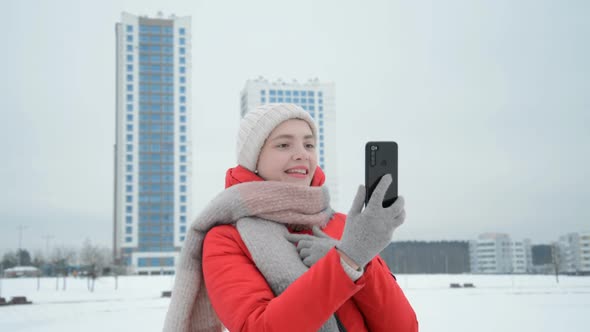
(257,125)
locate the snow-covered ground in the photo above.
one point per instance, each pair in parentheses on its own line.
(497,303)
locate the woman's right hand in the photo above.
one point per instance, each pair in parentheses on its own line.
(368,232)
(312,248)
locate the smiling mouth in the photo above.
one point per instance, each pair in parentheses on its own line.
(297,171)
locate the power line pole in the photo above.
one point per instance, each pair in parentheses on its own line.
(47,238)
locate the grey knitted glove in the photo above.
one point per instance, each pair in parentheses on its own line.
(368,232)
(312,247)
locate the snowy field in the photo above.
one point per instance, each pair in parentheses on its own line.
(497,303)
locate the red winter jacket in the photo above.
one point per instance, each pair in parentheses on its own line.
(244,301)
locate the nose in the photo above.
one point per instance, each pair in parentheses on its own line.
(301,154)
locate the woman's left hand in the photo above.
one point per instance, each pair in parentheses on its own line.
(312,247)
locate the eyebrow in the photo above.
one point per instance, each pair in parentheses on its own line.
(290,137)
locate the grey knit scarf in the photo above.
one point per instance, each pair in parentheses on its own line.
(261,211)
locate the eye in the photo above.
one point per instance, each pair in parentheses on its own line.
(310,146)
(282,146)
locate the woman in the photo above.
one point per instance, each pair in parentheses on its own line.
(264,255)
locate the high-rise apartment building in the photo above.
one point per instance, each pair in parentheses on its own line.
(573,253)
(315,97)
(522,256)
(497,253)
(153,150)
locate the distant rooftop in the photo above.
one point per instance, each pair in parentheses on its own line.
(281,82)
(21,269)
(159,15)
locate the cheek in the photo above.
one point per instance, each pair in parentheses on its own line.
(314,160)
(270,164)
(264,159)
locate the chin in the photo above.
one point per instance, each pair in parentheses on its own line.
(299,182)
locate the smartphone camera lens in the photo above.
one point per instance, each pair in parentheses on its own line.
(374,147)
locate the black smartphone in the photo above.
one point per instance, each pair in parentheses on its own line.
(381,159)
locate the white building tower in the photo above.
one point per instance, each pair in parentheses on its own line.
(315,97)
(574,253)
(153,150)
(522,256)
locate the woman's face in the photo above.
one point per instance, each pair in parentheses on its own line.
(289,154)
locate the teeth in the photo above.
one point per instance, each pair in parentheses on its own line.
(300,171)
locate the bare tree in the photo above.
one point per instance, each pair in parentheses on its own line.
(38,262)
(556,260)
(95,258)
(38,259)
(10,259)
(61,258)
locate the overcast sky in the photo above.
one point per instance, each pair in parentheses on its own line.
(489,102)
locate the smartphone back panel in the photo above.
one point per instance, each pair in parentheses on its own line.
(381,159)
